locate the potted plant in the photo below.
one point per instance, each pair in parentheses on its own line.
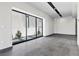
(18,34)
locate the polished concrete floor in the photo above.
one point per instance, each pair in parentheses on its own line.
(55,45)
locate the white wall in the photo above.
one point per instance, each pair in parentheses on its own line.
(65,25)
(5,26)
(6,21)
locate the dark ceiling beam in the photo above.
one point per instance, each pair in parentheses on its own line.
(50,3)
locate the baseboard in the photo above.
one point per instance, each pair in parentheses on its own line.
(6,49)
(49,35)
(63,34)
(60,34)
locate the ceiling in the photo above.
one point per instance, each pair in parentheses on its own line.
(65,8)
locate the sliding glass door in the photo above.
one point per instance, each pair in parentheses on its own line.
(18,27)
(31,27)
(25,27)
(39,27)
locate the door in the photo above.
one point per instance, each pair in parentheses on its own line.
(31,27)
(18,27)
(39,27)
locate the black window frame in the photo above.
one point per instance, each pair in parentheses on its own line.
(27,15)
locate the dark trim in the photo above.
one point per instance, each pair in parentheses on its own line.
(42,27)
(24,13)
(76,26)
(54,8)
(5,50)
(49,35)
(63,34)
(59,34)
(36,26)
(26,40)
(26,25)
(14,43)
(18,11)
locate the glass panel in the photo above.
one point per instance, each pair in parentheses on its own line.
(39,27)
(31,30)
(18,27)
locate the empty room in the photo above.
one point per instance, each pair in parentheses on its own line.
(39,29)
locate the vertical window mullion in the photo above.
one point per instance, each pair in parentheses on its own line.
(36,26)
